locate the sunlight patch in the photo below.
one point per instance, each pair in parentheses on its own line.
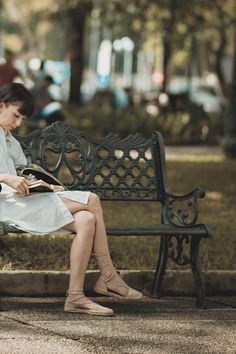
(214,195)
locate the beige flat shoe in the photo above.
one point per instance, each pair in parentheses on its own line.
(114,286)
(77,302)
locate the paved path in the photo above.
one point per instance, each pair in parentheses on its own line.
(148,326)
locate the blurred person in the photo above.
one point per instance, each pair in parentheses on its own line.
(41,74)
(8,72)
(75,211)
(48,107)
(41,95)
(130,95)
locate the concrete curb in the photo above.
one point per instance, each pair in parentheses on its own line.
(54,283)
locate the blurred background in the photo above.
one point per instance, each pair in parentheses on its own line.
(125,66)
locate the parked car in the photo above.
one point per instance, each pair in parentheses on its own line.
(198,91)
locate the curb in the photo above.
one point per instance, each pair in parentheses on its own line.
(55,283)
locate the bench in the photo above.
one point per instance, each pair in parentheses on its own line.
(129,169)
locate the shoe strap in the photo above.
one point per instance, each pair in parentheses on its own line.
(106,280)
(109,281)
(76,292)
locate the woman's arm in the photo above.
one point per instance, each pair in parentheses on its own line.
(18,183)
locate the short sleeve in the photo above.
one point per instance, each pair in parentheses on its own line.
(15,152)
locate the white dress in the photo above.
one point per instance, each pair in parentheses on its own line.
(37,213)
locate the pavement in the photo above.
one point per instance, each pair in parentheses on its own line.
(36,324)
(147,326)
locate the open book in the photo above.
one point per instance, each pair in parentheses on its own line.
(38,173)
(39,187)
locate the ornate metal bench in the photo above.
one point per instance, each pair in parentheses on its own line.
(130,169)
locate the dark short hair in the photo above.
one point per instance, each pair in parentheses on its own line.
(15,92)
(9,53)
(49,78)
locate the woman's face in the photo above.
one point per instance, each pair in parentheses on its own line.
(10,117)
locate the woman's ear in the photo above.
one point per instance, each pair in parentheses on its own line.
(2,106)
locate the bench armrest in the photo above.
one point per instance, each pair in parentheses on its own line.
(182,210)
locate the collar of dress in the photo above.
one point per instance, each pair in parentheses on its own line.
(7,135)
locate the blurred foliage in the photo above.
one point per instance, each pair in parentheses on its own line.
(36,29)
(177,128)
(218,210)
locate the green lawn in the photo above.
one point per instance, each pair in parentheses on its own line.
(218,210)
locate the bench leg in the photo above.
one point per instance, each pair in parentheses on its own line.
(161,266)
(197,273)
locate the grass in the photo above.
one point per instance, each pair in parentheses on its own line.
(218,210)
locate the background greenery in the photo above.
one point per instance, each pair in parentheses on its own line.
(100,119)
(218,210)
(205,36)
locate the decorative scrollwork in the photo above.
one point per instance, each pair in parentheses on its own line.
(182,210)
(179,249)
(115,168)
(29,144)
(132,168)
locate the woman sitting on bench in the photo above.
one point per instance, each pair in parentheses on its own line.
(76,211)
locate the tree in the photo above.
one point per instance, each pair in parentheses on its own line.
(76,12)
(206,22)
(219,17)
(16,18)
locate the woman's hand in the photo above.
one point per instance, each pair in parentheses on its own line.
(20,184)
(41,182)
(57,188)
(53,187)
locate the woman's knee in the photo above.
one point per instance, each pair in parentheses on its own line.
(94,202)
(85,218)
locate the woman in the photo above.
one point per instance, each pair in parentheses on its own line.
(78,211)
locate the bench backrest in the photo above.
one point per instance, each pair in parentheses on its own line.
(132,168)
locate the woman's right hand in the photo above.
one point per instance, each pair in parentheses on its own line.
(18,183)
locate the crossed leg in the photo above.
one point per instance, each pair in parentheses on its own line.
(91,236)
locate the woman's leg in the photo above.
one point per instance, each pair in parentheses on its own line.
(84,227)
(109,277)
(100,244)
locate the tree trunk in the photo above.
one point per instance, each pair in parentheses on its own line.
(77,19)
(16,17)
(218,62)
(166,61)
(219,53)
(167,40)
